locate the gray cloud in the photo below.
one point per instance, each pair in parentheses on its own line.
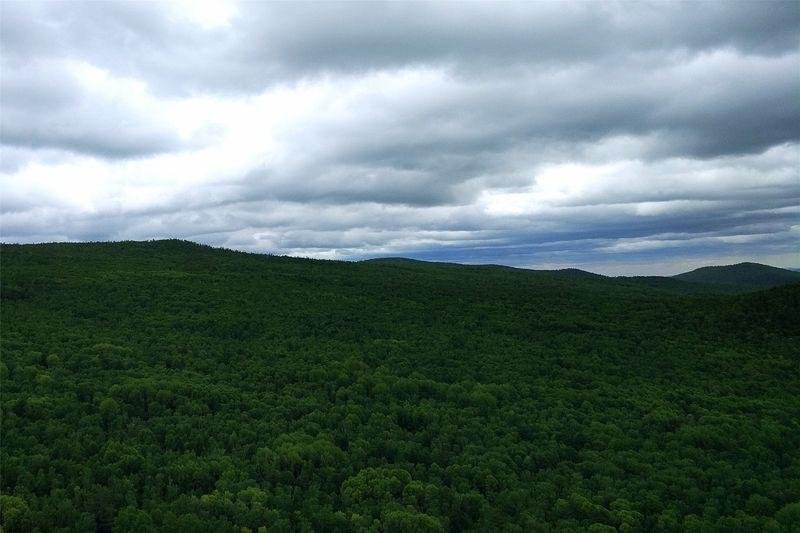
(344,37)
(517,133)
(46,105)
(268,43)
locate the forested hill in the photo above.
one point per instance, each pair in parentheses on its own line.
(747,275)
(175,387)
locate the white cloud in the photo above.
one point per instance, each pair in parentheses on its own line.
(208,14)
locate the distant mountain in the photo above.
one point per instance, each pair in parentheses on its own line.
(575,273)
(744,277)
(403,261)
(750,275)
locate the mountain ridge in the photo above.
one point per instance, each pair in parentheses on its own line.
(739,277)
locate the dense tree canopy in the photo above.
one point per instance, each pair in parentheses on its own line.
(169,386)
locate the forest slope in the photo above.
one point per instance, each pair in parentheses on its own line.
(171,386)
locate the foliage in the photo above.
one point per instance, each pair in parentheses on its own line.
(166,386)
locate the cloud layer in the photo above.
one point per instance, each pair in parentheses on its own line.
(621,138)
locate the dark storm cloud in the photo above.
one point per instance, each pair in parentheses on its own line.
(510,133)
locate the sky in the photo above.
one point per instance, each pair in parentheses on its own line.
(618,137)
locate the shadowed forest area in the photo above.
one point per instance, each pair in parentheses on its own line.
(169,386)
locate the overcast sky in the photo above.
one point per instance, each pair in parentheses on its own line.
(622,138)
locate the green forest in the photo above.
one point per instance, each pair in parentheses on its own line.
(169,386)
